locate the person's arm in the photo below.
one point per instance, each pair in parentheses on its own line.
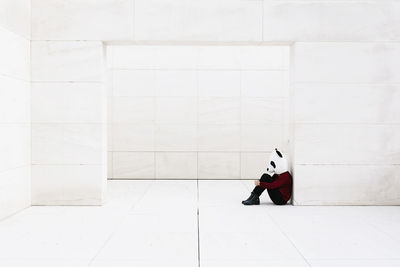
(279,182)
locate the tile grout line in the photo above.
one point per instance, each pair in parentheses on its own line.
(287,237)
(280,229)
(117,226)
(198,225)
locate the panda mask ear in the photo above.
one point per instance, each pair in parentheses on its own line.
(279,153)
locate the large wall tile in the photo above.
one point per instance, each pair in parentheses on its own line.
(331,20)
(347,144)
(15,107)
(347,103)
(219,83)
(219,137)
(347,62)
(14,54)
(140,165)
(15,190)
(346,185)
(68,184)
(133,137)
(262,110)
(176,56)
(179,165)
(263,57)
(219,165)
(15,100)
(253,165)
(176,137)
(67,61)
(125,57)
(133,83)
(68,102)
(67,144)
(15,147)
(262,137)
(176,110)
(133,109)
(176,83)
(82,20)
(218,20)
(15,15)
(219,57)
(263,83)
(221,110)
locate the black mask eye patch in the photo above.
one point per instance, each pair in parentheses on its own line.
(273,164)
(279,153)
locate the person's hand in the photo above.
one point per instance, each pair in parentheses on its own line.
(257,182)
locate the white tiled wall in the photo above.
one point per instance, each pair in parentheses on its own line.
(15,114)
(190,112)
(69,133)
(347,149)
(345,89)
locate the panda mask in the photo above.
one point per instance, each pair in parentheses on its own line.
(277,164)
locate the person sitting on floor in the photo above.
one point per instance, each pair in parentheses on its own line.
(277,181)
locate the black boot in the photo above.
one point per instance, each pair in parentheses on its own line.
(252,200)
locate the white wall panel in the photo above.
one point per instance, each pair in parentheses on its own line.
(219,83)
(68,184)
(133,137)
(346,99)
(133,109)
(304,20)
(14,100)
(347,62)
(219,20)
(15,15)
(219,57)
(176,165)
(219,137)
(253,165)
(123,57)
(346,185)
(264,83)
(14,55)
(176,137)
(259,58)
(219,165)
(262,110)
(133,165)
(177,100)
(15,143)
(15,108)
(347,103)
(67,61)
(176,83)
(82,19)
(59,143)
(263,137)
(133,83)
(347,144)
(68,102)
(15,190)
(176,110)
(221,110)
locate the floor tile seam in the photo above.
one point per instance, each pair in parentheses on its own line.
(134,203)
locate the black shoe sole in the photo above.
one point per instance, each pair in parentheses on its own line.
(250,204)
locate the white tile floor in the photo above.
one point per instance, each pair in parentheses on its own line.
(155,223)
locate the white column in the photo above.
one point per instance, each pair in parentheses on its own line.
(68,123)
